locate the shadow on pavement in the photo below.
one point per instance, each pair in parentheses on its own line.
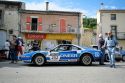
(22,64)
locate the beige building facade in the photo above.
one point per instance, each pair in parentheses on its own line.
(112,20)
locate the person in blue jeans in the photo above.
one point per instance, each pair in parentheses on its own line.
(13,49)
(110,44)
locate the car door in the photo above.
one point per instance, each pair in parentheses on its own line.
(68,55)
(54,54)
(64,53)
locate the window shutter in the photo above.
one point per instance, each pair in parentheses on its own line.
(40,24)
(40,20)
(28,23)
(62,25)
(28,19)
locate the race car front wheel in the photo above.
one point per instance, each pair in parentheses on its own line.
(39,60)
(86,59)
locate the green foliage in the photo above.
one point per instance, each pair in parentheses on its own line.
(90,23)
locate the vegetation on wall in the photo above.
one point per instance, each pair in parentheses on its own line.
(90,23)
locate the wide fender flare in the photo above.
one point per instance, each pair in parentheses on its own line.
(36,54)
(82,54)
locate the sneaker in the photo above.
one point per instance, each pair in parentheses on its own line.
(114,66)
(16,62)
(111,66)
(102,64)
(11,62)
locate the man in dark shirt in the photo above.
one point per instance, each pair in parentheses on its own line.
(13,49)
(35,46)
(101,42)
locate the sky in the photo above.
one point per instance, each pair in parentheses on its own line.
(87,7)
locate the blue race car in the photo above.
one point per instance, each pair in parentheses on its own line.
(119,53)
(63,53)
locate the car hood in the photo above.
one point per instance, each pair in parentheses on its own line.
(34,52)
(90,49)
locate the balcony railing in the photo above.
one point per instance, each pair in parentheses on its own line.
(50,30)
(120,35)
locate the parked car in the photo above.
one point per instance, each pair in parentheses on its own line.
(119,53)
(63,53)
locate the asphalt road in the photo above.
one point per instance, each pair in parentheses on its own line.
(69,73)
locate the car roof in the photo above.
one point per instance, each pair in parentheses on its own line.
(71,45)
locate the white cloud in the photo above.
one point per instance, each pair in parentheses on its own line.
(52,6)
(12,0)
(110,7)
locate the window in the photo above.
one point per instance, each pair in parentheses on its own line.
(113,16)
(114,30)
(75,48)
(62,48)
(11,31)
(34,24)
(51,27)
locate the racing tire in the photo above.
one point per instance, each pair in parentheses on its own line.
(39,60)
(123,58)
(86,60)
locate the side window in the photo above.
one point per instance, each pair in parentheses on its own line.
(59,48)
(75,48)
(55,49)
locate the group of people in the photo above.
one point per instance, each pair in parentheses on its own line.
(108,43)
(14,48)
(34,46)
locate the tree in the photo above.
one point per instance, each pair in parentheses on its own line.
(90,23)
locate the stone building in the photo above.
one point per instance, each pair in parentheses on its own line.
(9,19)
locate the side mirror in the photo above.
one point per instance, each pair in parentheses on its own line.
(50,50)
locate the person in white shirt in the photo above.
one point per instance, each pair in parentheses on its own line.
(7,47)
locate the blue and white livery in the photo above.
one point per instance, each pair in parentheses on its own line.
(63,53)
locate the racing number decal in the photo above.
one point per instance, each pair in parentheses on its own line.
(54,56)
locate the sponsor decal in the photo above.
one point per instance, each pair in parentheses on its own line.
(68,54)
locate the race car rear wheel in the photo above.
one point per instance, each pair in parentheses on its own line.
(39,60)
(123,58)
(86,59)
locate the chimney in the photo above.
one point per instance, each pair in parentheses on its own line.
(47,6)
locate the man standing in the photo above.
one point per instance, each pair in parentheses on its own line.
(20,45)
(35,46)
(13,49)
(101,42)
(110,44)
(7,47)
